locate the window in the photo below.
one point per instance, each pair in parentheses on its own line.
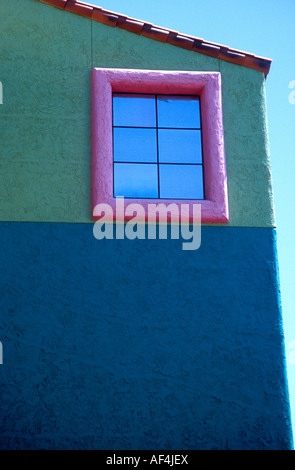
(157,146)
(158,135)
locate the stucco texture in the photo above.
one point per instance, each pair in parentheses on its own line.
(121,344)
(46,60)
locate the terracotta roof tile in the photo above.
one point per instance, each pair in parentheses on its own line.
(162,34)
(134,26)
(180,40)
(153,32)
(79,8)
(103,16)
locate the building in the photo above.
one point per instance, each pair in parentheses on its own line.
(134,344)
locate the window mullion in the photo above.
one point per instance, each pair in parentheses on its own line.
(157,139)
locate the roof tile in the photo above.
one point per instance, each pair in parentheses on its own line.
(161,34)
(180,40)
(102,16)
(154,33)
(79,8)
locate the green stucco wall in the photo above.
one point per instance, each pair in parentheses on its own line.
(46,58)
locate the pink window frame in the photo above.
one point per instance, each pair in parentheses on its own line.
(105,82)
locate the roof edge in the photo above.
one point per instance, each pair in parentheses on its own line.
(157,33)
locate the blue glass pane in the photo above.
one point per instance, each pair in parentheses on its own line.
(135,145)
(138,180)
(134,110)
(178,111)
(181,181)
(180,146)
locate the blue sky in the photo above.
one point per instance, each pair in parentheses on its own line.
(265,28)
